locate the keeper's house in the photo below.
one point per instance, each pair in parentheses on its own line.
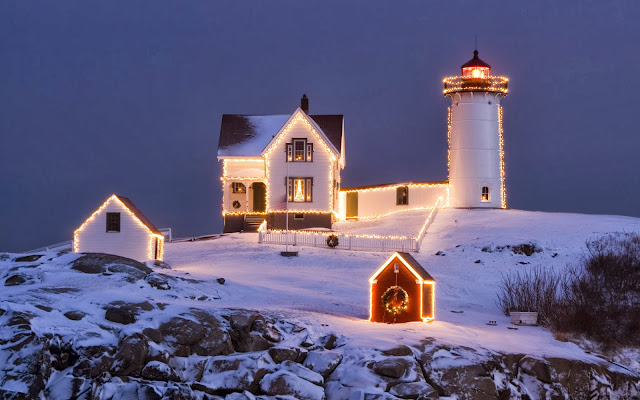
(271,163)
(401,273)
(119,228)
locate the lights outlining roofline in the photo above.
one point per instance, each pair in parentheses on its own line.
(76,240)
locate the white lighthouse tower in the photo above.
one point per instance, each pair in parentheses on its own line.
(476,155)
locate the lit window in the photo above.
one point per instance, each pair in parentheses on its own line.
(298,216)
(299,151)
(402,196)
(299,190)
(113,222)
(239,187)
(485,193)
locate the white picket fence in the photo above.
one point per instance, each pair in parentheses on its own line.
(348,241)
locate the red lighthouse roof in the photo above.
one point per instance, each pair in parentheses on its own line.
(476,68)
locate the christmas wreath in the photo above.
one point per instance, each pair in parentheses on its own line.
(236,204)
(395,300)
(332,241)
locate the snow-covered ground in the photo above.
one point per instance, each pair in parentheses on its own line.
(406,223)
(328,289)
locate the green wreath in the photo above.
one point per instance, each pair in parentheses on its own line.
(395,300)
(332,241)
(236,204)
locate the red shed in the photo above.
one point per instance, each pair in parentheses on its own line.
(401,291)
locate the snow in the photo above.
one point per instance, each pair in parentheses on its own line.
(406,223)
(326,291)
(265,127)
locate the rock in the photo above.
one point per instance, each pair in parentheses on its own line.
(132,274)
(391,367)
(158,264)
(221,281)
(243,324)
(131,355)
(280,354)
(323,362)
(40,306)
(120,315)
(234,373)
(68,387)
(188,369)
(302,372)
(526,249)
(240,396)
(157,371)
(536,367)
(29,258)
(182,331)
(216,340)
(158,281)
(16,280)
(96,263)
(329,341)
(414,390)
(268,332)
(75,315)
(399,351)
(284,383)
(153,334)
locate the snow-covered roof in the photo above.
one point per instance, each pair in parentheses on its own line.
(248,135)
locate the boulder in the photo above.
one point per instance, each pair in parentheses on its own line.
(234,373)
(96,263)
(182,331)
(29,258)
(216,340)
(414,390)
(18,279)
(323,362)
(158,371)
(75,315)
(284,383)
(536,367)
(130,357)
(154,334)
(158,264)
(120,315)
(68,387)
(399,351)
(302,372)
(188,369)
(391,367)
(280,354)
(158,281)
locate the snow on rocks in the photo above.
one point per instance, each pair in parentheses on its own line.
(286,383)
(323,362)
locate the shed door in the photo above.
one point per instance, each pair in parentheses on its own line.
(352,205)
(155,248)
(259,197)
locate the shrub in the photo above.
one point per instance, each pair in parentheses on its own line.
(601,299)
(533,290)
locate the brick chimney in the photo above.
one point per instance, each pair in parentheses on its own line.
(304,104)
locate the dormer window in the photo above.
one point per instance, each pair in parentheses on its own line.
(299,151)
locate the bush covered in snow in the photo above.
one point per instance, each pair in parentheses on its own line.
(599,299)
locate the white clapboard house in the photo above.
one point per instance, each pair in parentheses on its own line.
(119,227)
(275,163)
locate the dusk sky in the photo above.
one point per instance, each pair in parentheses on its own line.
(126,97)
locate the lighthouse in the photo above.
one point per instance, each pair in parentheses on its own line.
(474,133)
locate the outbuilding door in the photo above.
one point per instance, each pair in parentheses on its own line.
(155,248)
(352,205)
(259,197)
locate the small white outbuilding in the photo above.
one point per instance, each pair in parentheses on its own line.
(119,228)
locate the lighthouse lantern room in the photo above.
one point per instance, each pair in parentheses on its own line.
(474,130)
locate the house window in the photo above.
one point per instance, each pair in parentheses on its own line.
(238,187)
(300,151)
(298,216)
(402,196)
(485,193)
(113,222)
(299,190)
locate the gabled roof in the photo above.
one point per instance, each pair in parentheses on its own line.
(138,214)
(409,262)
(249,135)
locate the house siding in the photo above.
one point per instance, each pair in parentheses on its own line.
(132,241)
(374,203)
(318,169)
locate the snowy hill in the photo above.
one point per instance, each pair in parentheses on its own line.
(313,306)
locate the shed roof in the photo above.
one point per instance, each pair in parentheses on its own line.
(409,261)
(248,135)
(137,213)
